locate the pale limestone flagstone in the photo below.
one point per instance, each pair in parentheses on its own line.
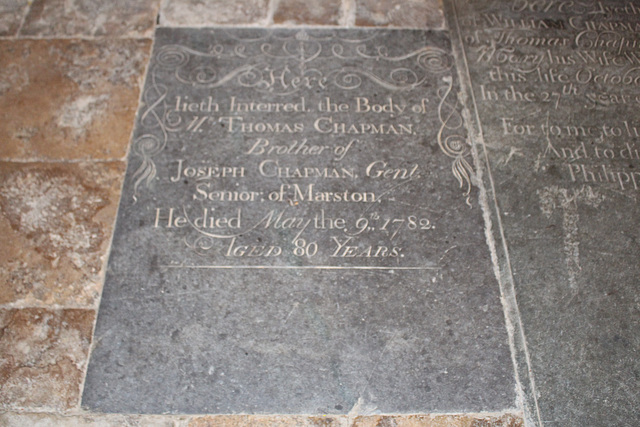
(56,221)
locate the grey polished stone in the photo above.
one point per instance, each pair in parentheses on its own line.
(556,87)
(300,232)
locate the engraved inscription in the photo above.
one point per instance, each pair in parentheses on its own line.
(563,55)
(281,169)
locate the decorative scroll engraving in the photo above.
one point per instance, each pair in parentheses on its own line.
(293,72)
(450,138)
(150,144)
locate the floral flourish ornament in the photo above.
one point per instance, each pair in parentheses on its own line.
(451,140)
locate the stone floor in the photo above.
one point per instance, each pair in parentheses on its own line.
(70,78)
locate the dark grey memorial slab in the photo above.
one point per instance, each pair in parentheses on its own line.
(556,87)
(300,232)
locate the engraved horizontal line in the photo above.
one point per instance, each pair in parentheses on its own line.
(294,267)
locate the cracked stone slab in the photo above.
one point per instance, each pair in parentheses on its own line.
(69,99)
(43,356)
(300,233)
(56,222)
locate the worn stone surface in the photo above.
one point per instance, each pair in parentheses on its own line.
(400,13)
(323,161)
(303,12)
(508,420)
(105,420)
(43,354)
(69,99)
(11,14)
(360,421)
(213,12)
(111,18)
(56,222)
(262,420)
(13,419)
(556,91)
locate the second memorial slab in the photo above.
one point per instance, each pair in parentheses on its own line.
(300,232)
(556,87)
